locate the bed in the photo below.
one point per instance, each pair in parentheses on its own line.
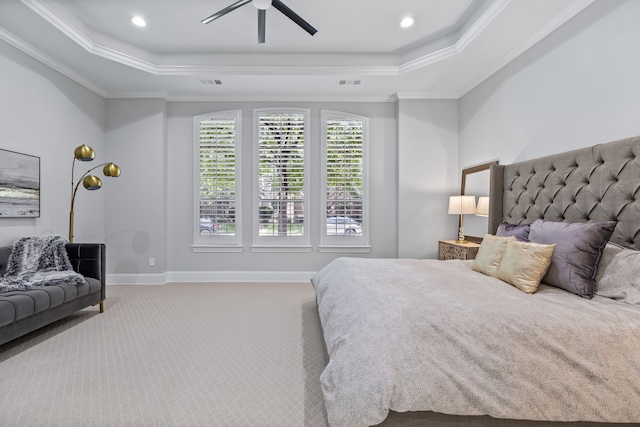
(428,342)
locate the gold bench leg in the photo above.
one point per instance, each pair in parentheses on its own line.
(101,306)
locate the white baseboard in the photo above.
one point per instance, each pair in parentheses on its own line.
(136,279)
(209,276)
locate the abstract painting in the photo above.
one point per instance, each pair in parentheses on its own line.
(19,185)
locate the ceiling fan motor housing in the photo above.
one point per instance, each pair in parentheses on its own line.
(262,4)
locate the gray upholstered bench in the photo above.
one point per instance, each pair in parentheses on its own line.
(22,312)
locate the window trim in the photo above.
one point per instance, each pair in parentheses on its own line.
(214,243)
(280,243)
(351,244)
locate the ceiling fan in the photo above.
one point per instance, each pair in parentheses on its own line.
(262,6)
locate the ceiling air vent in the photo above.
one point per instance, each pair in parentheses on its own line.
(349,82)
(211,82)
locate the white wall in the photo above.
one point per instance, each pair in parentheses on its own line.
(578,87)
(153,141)
(147,211)
(45,114)
(427,175)
(136,203)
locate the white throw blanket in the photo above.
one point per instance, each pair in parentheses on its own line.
(38,261)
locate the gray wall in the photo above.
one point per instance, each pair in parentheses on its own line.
(137,203)
(153,141)
(427,175)
(578,87)
(45,114)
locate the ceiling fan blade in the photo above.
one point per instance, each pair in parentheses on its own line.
(262,18)
(225,11)
(294,16)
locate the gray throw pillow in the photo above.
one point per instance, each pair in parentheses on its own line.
(621,279)
(520,232)
(608,253)
(579,246)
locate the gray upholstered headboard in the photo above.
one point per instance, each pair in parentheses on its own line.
(599,183)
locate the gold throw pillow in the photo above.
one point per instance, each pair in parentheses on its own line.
(490,253)
(524,264)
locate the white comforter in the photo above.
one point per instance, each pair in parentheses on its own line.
(428,335)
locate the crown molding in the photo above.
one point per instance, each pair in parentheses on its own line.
(81,39)
(80,35)
(275,70)
(57,21)
(150,64)
(425,95)
(474,31)
(35,53)
(483,22)
(552,25)
(255,98)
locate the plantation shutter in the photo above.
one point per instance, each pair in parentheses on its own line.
(344,171)
(217,177)
(281,203)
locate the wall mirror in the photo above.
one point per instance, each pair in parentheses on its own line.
(476,182)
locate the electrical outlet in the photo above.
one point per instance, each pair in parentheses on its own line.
(152,262)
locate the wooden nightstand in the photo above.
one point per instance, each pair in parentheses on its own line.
(449,249)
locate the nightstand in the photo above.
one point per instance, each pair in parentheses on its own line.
(449,249)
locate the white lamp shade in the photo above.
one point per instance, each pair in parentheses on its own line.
(462,205)
(483,206)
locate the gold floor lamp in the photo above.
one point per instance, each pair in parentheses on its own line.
(85,153)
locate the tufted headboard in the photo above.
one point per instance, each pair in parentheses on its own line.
(599,183)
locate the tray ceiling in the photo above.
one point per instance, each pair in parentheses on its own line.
(452,47)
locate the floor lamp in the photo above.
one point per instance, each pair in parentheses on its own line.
(85,153)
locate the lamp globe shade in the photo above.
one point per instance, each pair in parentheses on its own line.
(111,170)
(84,153)
(92,182)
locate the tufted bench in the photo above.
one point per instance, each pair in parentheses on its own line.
(22,312)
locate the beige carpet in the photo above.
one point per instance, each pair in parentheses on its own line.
(181,354)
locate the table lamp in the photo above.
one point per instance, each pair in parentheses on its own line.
(462,205)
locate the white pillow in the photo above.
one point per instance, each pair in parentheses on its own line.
(524,264)
(490,253)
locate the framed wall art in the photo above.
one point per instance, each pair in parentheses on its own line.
(19,185)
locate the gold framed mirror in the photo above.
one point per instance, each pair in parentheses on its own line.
(475,182)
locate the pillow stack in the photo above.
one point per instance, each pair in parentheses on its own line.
(564,255)
(521,264)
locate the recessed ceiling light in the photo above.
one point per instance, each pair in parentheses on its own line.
(139,21)
(407,22)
